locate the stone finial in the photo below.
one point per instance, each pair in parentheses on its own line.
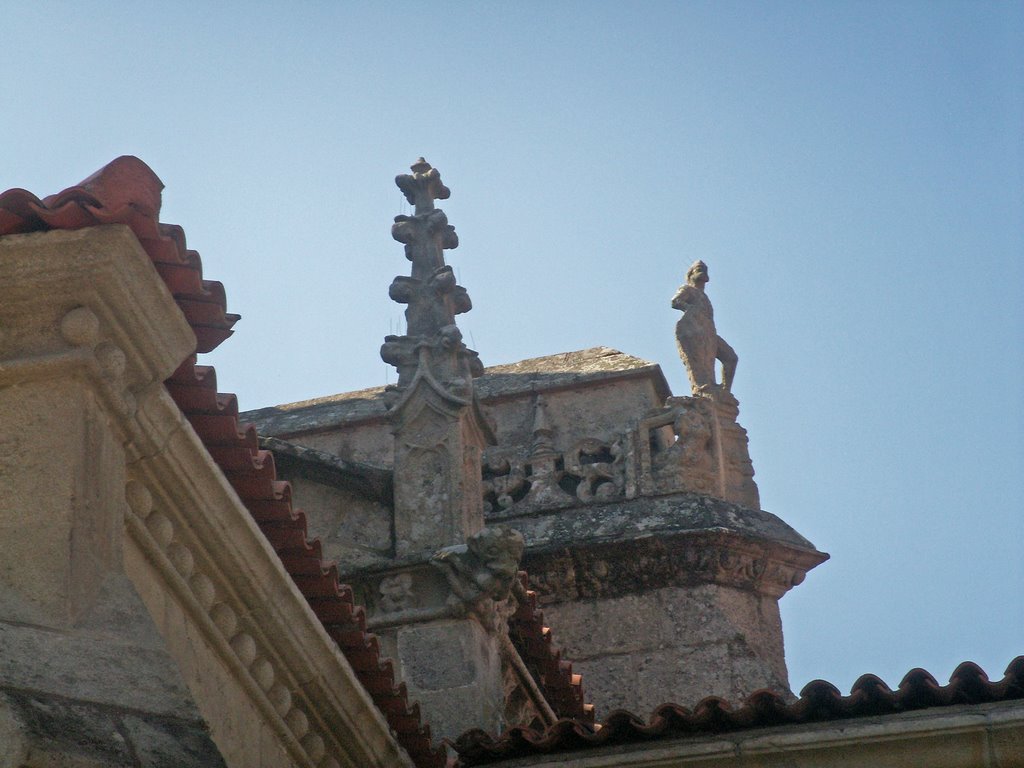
(436,419)
(432,342)
(423,186)
(698,342)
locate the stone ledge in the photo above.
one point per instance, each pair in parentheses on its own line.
(647,516)
(600,569)
(607,550)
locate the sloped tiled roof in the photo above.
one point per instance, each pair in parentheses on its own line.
(252,473)
(819,701)
(561,687)
(126,191)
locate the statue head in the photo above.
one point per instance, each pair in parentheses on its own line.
(697,273)
(498,548)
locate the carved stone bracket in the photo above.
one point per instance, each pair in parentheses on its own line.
(484,567)
(473,579)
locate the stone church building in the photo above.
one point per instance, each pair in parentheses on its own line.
(554,562)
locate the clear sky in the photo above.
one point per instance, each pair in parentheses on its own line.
(851,173)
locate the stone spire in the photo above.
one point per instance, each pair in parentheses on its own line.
(433,344)
(438,426)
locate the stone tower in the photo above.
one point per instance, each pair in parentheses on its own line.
(645,543)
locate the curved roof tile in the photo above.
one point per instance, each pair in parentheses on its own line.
(819,701)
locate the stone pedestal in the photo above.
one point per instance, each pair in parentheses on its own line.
(437,488)
(695,444)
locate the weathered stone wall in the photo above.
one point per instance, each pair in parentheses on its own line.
(655,587)
(103,691)
(598,410)
(370,442)
(674,644)
(453,668)
(354,531)
(591,393)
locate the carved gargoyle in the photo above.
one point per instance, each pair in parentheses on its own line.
(484,567)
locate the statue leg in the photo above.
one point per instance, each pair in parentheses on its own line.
(699,358)
(727,355)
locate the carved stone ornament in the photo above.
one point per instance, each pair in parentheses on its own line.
(485,567)
(698,342)
(396,592)
(432,344)
(590,471)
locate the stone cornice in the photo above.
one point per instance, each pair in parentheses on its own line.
(603,569)
(620,548)
(965,736)
(46,275)
(647,516)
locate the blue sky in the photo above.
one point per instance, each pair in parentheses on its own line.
(851,172)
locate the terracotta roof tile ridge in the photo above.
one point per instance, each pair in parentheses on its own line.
(127,191)
(252,473)
(561,687)
(819,701)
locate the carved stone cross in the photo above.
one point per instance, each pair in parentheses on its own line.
(423,187)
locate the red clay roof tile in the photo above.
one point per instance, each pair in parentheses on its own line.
(819,701)
(533,641)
